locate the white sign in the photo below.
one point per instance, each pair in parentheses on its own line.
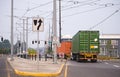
(38,24)
(61,55)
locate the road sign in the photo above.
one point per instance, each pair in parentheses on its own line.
(38,24)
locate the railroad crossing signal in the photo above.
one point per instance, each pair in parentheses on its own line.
(38,24)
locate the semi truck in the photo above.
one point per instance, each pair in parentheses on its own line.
(65,47)
(85,46)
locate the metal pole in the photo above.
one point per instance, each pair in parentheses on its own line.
(60,21)
(23,35)
(12,30)
(54,30)
(38,49)
(49,34)
(17,44)
(20,42)
(49,42)
(26,36)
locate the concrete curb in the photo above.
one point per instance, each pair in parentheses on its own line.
(23,73)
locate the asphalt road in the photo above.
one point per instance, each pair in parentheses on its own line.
(5,69)
(100,69)
(73,69)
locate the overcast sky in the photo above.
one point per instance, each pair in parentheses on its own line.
(102,15)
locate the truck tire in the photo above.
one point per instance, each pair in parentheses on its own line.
(78,58)
(93,60)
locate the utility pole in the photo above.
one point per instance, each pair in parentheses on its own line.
(60,21)
(54,31)
(38,54)
(49,41)
(17,44)
(20,43)
(23,35)
(12,37)
(26,36)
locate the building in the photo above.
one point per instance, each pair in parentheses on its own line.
(110,45)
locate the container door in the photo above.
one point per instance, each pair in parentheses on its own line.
(84,41)
(94,41)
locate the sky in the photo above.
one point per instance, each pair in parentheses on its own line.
(102,15)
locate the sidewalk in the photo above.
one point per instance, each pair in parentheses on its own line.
(27,67)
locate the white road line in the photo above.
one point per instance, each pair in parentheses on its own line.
(106,63)
(116,66)
(8,73)
(113,65)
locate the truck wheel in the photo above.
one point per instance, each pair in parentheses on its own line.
(78,59)
(93,60)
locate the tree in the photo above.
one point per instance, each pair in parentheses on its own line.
(16,46)
(5,47)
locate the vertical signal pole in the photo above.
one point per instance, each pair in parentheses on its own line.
(26,36)
(20,42)
(60,21)
(38,49)
(17,41)
(11,29)
(23,35)
(54,31)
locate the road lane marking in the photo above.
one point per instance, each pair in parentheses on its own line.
(106,63)
(66,68)
(8,73)
(113,65)
(116,66)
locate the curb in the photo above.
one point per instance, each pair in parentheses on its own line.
(22,73)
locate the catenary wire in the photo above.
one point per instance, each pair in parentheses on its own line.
(105,19)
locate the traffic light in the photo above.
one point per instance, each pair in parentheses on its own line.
(45,42)
(38,42)
(19,44)
(35,41)
(1,38)
(32,42)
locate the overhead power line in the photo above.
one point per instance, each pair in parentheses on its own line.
(40,5)
(105,19)
(80,4)
(90,10)
(74,3)
(30,9)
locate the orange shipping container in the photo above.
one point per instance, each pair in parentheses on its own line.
(64,48)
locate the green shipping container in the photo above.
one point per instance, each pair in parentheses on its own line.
(86,42)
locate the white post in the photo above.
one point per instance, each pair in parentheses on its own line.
(54,30)
(20,43)
(23,35)
(26,36)
(38,49)
(12,37)
(17,44)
